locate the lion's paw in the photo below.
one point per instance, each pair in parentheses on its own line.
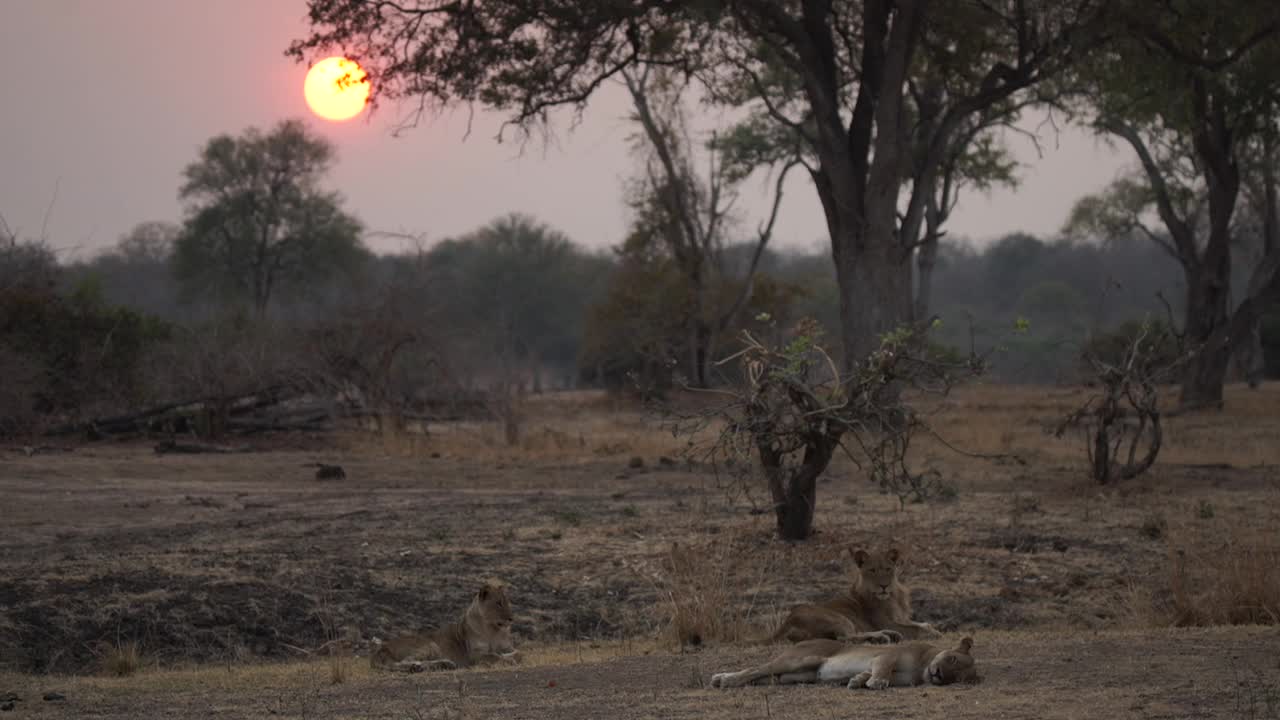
(886,637)
(878,683)
(858,681)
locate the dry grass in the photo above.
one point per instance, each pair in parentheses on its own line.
(580,426)
(122,659)
(1018,420)
(1233,580)
(339,666)
(1217,571)
(586,426)
(703,586)
(1028,556)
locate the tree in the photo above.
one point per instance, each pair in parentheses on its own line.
(258,221)
(829,76)
(137,271)
(843,66)
(687,215)
(1190,89)
(515,292)
(148,242)
(636,332)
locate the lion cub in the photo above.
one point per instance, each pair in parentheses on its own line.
(877,608)
(869,666)
(482,635)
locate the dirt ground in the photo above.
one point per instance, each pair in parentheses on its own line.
(233,575)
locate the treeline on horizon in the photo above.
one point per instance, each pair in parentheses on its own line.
(519,292)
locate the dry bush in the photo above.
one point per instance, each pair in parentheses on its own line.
(122,659)
(339,666)
(1122,419)
(1230,579)
(709,593)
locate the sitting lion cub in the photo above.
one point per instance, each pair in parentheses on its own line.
(877,608)
(869,666)
(482,635)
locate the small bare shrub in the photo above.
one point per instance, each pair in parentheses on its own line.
(1121,419)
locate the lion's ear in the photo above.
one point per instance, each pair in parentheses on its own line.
(966,646)
(893,555)
(860,556)
(484,591)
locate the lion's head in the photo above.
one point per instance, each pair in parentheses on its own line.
(951,666)
(878,571)
(489,619)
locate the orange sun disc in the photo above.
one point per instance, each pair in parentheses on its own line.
(336,89)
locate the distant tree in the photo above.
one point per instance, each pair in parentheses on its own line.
(515,292)
(258,221)
(136,272)
(1008,261)
(148,242)
(690,216)
(24,264)
(636,335)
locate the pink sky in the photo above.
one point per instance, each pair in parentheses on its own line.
(107,100)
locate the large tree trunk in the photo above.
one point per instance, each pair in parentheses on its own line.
(875,294)
(1205,325)
(1209,280)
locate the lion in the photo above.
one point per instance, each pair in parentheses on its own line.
(870,666)
(876,609)
(483,635)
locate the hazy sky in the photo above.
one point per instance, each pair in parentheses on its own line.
(105,101)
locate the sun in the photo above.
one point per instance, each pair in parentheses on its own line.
(336,89)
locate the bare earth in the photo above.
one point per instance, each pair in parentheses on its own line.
(236,574)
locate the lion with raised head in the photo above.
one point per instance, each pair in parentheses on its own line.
(860,666)
(876,609)
(483,635)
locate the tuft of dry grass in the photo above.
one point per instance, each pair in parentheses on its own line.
(1227,579)
(122,659)
(703,588)
(339,667)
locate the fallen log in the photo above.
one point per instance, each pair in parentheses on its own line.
(192,448)
(154,417)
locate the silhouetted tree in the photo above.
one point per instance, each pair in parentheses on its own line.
(257,219)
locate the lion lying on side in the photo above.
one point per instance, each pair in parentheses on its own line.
(876,609)
(869,666)
(482,635)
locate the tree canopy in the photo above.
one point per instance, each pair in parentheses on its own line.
(257,219)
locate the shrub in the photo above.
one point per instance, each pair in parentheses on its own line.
(1111,348)
(72,355)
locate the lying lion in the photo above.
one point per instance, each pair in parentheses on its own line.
(877,608)
(482,635)
(869,666)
